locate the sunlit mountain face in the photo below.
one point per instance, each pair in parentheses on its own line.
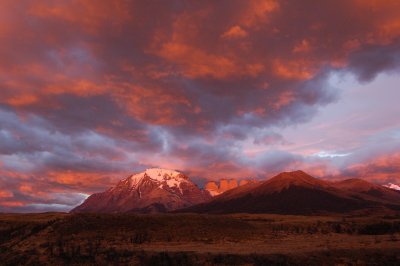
(95,91)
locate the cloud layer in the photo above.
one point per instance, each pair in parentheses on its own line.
(92,91)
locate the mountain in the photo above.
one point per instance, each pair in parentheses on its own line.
(392,186)
(368,190)
(224,185)
(295,193)
(154,190)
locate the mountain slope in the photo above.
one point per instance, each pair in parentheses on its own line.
(154,190)
(287,193)
(368,190)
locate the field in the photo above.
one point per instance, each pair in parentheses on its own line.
(194,239)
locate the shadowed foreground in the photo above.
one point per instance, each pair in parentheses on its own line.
(193,239)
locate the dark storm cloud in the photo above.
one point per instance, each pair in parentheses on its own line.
(372,60)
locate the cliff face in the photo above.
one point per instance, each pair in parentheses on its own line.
(243,182)
(215,188)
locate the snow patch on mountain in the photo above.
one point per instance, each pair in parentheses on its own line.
(160,174)
(134,180)
(171,178)
(392,186)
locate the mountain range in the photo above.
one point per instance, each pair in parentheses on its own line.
(299,193)
(162,190)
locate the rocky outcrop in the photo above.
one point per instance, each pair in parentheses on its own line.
(224,185)
(212,188)
(243,182)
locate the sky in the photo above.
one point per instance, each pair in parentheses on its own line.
(93,91)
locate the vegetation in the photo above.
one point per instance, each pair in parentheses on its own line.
(194,239)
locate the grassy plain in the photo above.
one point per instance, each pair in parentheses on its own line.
(198,239)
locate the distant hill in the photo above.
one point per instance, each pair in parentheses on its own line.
(369,191)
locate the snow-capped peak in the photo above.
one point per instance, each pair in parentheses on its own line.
(392,186)
(161,174)
(171,178)
(154,189)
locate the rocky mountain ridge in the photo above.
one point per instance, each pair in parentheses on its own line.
(299,193)
(154,190)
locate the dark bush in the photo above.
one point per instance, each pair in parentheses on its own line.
(380,228)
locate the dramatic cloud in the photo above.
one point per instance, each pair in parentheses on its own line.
(91,91)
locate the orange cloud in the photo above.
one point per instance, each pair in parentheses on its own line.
(26,188)
(302,47)
(257,12)
(88,15)
(234,32)
(73,178)
(21,100)
(380,169)
(12,203)
(196,63)
(6,194)
(292,69)
(284,99)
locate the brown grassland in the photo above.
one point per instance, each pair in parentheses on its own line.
(198,239)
